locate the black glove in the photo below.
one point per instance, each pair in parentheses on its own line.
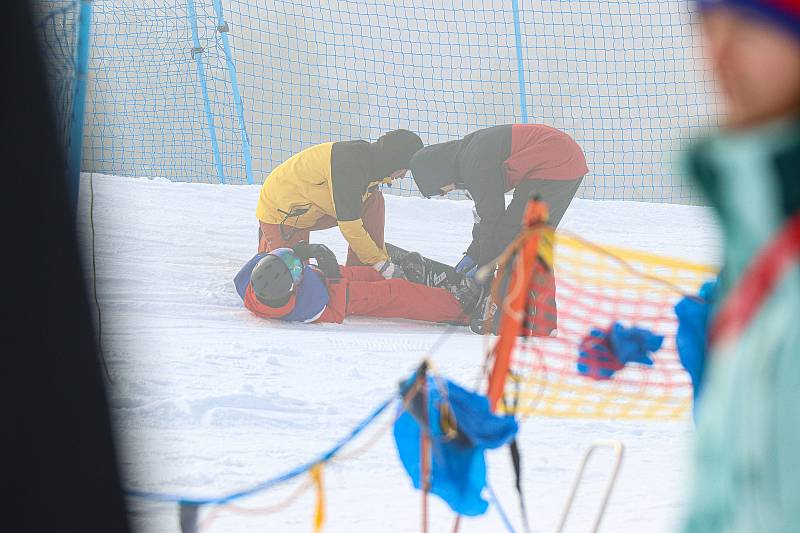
(326,260)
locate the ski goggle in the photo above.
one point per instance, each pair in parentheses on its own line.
(292,262)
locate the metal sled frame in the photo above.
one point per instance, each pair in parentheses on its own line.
(618,448)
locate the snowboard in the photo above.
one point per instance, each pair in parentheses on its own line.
(422,270)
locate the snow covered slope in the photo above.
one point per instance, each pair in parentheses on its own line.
(208,398)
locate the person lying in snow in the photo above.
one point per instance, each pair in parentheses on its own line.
(336,183)
(526,158)
(281,284)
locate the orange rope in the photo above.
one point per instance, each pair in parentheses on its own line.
(253,511)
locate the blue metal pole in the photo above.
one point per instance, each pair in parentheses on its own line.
(523,96)
(222,28)
(197,53)
(78,102)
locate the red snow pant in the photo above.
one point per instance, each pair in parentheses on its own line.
(373,215)
(362,291)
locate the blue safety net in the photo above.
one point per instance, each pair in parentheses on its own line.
(223,91)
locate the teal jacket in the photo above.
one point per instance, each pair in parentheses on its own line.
(747,457)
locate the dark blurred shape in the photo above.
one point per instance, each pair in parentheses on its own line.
(60,471)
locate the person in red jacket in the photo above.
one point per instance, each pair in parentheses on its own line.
(488,163)
(283,285)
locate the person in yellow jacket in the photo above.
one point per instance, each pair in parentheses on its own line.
(336,183)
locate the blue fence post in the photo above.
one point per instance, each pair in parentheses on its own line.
(78,103)
(523,95)
(222,28)
(197,54)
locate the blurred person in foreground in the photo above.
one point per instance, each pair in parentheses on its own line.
(747,465)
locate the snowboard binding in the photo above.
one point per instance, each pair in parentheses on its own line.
(414,267)
(420,269)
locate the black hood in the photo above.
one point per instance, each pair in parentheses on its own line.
(392,152)
(435,167)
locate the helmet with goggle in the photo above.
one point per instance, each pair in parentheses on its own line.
(276,276)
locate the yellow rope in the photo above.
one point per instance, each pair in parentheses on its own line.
(319,508)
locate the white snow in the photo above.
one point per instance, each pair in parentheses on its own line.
(209,399)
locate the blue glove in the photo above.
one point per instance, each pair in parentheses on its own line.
(466,265)
(602,353)
(633,345)
(692,336)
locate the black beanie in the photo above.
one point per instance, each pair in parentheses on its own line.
(435,167)
(392,152)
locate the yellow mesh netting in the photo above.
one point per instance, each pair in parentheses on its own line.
(596,287)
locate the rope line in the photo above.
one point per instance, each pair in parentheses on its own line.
(494,501)
(273,482)
(255,511)
(94,281)
(627,266)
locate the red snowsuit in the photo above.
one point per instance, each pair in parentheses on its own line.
(362,291)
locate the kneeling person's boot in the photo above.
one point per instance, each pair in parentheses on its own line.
(482,319)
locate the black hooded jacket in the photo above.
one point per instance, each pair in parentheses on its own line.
(474,163)
(357,164)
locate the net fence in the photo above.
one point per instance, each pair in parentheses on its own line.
(597,287)
(223,91)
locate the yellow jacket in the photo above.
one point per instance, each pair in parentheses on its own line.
(327,179)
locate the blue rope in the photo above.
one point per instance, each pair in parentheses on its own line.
(237,96)
(494,501)
(523,95)
(78,103)
(270,483)
(197,53)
